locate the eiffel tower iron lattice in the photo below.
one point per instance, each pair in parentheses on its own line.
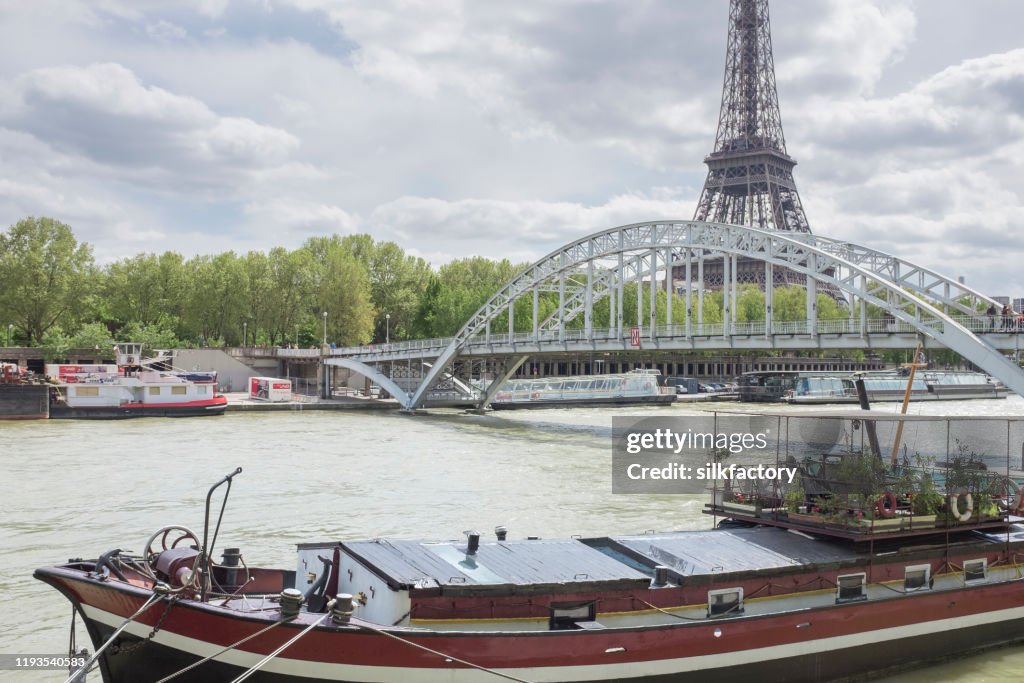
(750,174)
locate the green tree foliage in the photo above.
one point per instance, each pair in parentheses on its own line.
(92,336)
(342,290)
(45,276)
(145,288)
(152,336)
(215,308)
(288,305)
(340,282)
(458,291)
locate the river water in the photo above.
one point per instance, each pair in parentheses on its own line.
(80,488)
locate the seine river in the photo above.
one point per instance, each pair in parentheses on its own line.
(78,489)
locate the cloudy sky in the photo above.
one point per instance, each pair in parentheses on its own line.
(504,129)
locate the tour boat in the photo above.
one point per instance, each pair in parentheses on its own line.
(831,387)
(777,594)
(134,387)
(630,388)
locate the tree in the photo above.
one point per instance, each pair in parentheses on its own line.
(45,276)
(288,307)
(459,289)
(146,288)
(214,311)
(92,336)
(343,292)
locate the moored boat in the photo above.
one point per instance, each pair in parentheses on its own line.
(21,398)
(133,387)
(881,386)
(629,388)
(845,595)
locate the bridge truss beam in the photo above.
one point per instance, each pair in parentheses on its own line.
(597,266)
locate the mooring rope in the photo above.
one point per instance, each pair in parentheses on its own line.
(223,650)
(92,660)
(256,667)
(441,654)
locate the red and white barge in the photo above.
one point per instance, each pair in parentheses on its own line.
(763,603)
(134,387)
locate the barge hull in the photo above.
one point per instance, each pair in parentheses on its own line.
(811,646)
(585,402)
(64,412)
(876,657)
(24,402)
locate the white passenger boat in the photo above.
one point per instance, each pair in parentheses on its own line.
(926,386)
(630,388)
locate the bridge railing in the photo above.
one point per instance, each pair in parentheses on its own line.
(980,324)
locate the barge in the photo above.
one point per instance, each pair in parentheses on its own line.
(133,387)
(784,591)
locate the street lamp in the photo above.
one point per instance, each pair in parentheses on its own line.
(387,328)
(245,333)
(296,335)
(10,326)
(325,328)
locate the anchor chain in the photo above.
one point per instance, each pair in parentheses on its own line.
(117,648)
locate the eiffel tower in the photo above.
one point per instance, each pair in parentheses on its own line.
(750,175)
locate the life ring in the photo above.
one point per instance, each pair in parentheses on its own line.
(648,386)
(954,506)
(535,395)
(886,505)
(1011,502)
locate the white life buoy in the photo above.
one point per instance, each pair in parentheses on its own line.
(954,506)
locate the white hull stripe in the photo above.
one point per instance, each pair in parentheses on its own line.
(610,671)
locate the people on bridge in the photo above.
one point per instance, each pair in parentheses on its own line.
(1009,317)
(991,313)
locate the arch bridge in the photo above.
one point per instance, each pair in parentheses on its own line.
(593,276)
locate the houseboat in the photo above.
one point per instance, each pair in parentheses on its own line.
(133,387)
(812,584)
(631,388)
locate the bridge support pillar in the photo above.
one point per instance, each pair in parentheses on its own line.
(688,255)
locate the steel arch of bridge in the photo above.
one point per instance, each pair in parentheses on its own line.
(598,265)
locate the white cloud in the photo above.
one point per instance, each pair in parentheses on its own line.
(105,114)
(462,128)
(166,31)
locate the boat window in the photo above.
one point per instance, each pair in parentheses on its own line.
(975,571)
(725,601)
(203,390)
(82,392)
(566,616)
(154,391)
(178,391)
(916,577)
(850,588)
